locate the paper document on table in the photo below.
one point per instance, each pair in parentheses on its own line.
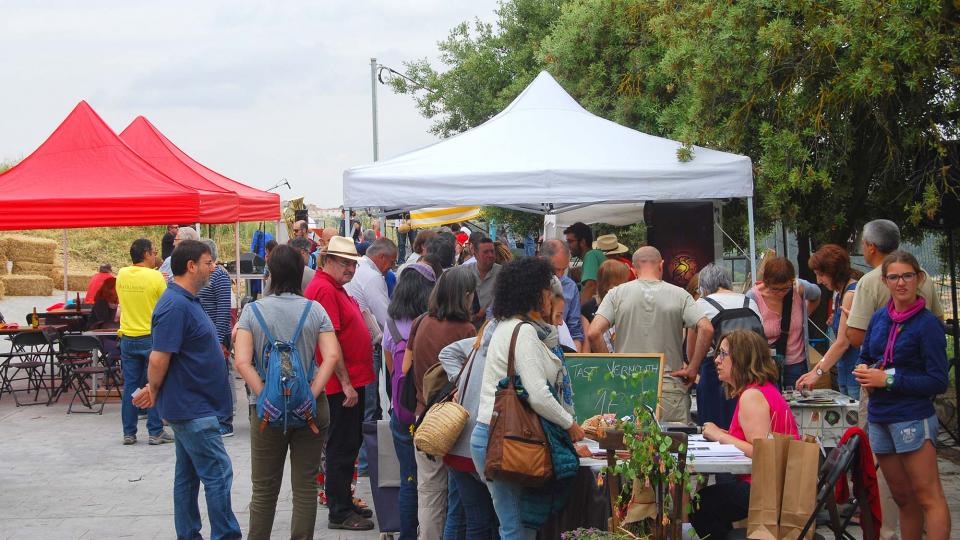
(703,449)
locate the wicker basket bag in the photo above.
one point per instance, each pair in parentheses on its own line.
(441,427)
(445,419)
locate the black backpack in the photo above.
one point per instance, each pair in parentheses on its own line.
(729,319)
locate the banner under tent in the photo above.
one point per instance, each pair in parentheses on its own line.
(435,217)
(545,153)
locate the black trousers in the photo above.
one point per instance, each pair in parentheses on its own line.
(720,506)
(343,444)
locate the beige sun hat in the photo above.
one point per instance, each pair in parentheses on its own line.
(341,246)
(608,244)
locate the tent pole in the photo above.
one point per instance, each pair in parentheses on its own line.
(236,249)
(753,245)
(65,292)
(346,222)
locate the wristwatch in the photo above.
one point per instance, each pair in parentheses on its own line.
(889,381)
(819,371)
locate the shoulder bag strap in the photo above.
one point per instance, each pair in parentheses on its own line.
(714,303)
(746,302)
(510,357)
(263,323)
(394,331)
(303,319)
(787,312)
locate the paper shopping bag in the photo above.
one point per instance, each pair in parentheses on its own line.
(766,489)
(799,489)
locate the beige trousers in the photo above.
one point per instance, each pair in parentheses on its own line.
(431,496)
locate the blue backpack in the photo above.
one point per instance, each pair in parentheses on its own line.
(286,400)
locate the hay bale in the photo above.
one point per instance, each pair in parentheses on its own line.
(27,285)
(2,288)
(76,280)
(32,268)
(3,264)
(19,247)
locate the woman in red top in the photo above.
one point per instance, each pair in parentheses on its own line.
(747,371)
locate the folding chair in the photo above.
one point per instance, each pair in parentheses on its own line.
(75,353)
(100,365)
(840,461)
(28,354)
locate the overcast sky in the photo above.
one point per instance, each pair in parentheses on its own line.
(257,91)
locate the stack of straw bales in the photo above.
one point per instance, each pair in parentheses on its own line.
(33,262)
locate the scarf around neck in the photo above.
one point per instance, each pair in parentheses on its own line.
(898,318)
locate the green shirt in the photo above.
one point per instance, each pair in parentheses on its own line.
(591,265)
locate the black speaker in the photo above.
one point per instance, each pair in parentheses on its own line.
(683,232)
(250,263)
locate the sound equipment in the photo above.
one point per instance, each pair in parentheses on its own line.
(683,232)
(250,263)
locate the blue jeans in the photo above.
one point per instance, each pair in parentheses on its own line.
(201,457)
(846,382)
(506,496)
(371,403)
(403,444)
(226,422)
(474,498)
(792,372)
(455,525)
(134,354)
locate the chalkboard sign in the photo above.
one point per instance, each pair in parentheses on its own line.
(599,389)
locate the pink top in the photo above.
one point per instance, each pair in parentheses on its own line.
(781,417)
(796,352)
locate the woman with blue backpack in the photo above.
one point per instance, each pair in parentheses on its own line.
(275,353)
(409,301)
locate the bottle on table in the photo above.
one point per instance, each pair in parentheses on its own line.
(35,321)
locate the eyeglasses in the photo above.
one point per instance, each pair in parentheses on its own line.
(907,277)
(208,263)
(721,354)
(785,288)
(346,263)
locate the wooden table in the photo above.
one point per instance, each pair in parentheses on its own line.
(8,331)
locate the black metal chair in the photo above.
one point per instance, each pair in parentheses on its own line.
(99,364)
(74,354)
(29,353)
(839,462)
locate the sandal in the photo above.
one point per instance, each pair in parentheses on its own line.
(353,522)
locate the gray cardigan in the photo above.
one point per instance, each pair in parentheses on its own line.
(452,358)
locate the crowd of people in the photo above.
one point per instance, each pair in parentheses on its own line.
(453,312)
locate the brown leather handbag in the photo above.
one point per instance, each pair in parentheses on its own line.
(518,450)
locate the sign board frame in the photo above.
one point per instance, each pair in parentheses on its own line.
(576,360)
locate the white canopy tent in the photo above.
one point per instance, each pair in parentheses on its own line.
(545,153)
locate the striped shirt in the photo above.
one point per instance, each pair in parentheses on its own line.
(215,299)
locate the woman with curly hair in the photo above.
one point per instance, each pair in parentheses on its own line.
(523,291)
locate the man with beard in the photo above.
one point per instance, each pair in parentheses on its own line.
(187,380)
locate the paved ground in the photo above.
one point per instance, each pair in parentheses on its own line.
(67,476)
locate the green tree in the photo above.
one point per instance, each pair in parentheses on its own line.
(486,66)
(847,107)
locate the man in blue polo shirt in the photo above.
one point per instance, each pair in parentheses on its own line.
(187,380)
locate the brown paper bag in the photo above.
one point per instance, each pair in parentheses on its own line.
(799,489)
(766,489)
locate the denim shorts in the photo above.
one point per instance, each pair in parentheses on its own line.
(902,437)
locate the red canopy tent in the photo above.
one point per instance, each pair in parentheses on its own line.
(254,205)
(217,204)
(83,175)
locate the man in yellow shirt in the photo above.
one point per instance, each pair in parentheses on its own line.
(138,287)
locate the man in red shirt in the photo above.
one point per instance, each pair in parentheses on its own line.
(344,390)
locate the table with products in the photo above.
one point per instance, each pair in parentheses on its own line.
(824,414)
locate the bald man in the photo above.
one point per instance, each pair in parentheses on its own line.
(649,315)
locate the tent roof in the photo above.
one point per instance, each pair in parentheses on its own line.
(254,204)
(217,205)
(83,175)
(545,149)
